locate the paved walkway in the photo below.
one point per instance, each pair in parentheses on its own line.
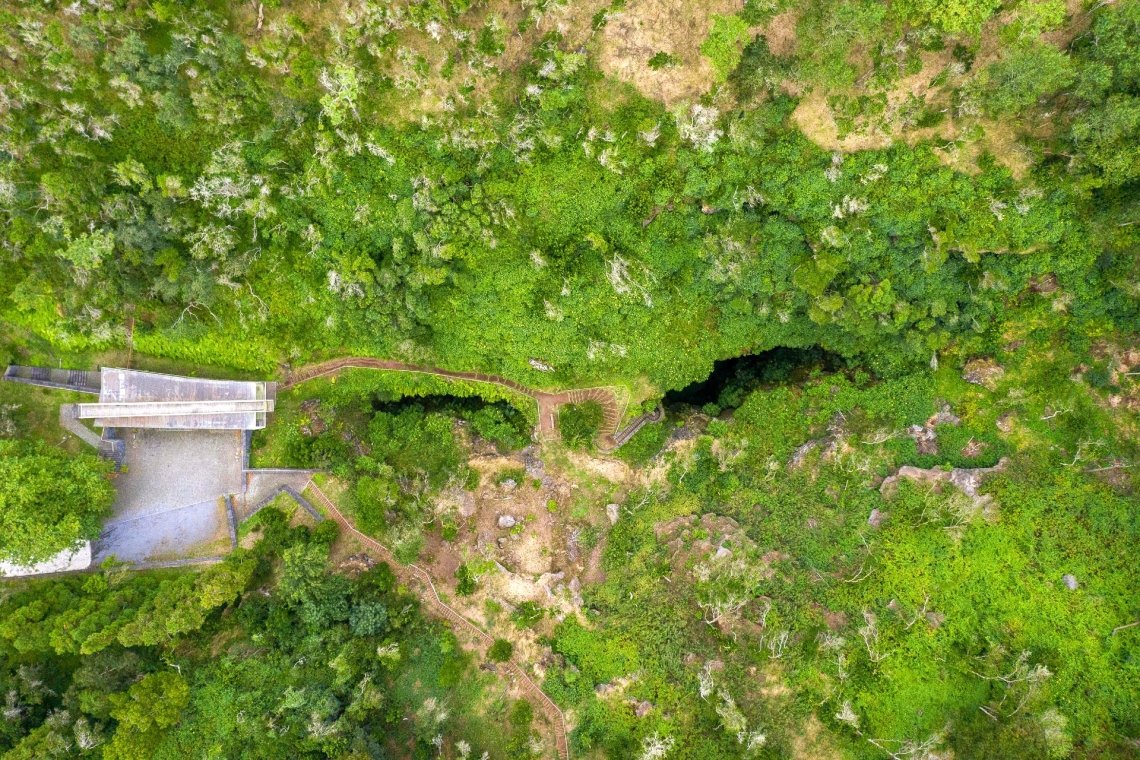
(169,498)
(167,534)
(610,436)
(421,578)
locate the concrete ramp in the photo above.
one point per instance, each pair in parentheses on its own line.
(262,486)
(81,381)
(135,399)
(200,529)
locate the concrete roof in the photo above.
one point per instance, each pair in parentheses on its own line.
(134,399)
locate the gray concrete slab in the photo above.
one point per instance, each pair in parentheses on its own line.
(189,531)
(169,496)
(132,386)
(262,485)
(167,469)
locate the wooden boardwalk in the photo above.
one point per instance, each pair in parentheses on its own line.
(610,436)
(441,609)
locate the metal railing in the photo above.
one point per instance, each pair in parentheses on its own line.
(558,718)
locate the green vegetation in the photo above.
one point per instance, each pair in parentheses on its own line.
(916,224)
(466,582)
(527,614)
(578,424)
(163,664)
(49,501)
(396,438)
(645,444)
(243,216)
(947,609)
(500,651)
(725,44)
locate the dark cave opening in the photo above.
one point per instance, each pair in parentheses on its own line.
(732,379)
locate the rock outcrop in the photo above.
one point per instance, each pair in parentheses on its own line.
(966,480)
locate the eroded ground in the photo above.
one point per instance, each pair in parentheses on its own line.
(644,28)
(532,531)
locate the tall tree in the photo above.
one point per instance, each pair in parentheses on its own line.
(49,501)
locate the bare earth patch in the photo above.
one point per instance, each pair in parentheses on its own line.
(816,121)
(780,33)
(537,538)
(677,27)
(814,742)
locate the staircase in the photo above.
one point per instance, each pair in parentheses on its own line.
(82,381)
(109,446)
(611,414)
(623,435)
(442,609)
(112,447)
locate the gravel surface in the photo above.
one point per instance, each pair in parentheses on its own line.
(188,531)
(168,502)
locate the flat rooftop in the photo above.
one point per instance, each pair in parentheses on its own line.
(134,399)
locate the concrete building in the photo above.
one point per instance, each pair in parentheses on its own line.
(181,451)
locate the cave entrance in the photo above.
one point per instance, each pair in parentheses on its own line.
(733,379)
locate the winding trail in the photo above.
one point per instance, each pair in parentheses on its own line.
(408,573)
(613,402)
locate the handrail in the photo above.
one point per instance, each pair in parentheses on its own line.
(562,746)
(613,407)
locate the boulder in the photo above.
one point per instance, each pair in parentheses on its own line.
(604,690)
(876,518)
(507,521)
(983,372)
(613,511)
(944,417)
(968,481)
(925,439)
(801,453)
(1070,582)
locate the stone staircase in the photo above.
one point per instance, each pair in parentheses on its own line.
(79,380)
(109,445)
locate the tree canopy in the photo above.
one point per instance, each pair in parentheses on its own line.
(49,501)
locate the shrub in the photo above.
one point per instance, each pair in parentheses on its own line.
(49,501)
(725,44)
(579,423)
(500,651)
(466,580)
(527,615)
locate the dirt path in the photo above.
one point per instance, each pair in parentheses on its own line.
(413,575)
(613,408)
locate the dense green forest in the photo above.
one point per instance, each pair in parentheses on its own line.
(897,520)
(459,183)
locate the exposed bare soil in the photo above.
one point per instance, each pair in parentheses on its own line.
(677,27)
(780,33)
(816,121)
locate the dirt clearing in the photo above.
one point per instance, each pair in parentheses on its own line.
(645,28)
